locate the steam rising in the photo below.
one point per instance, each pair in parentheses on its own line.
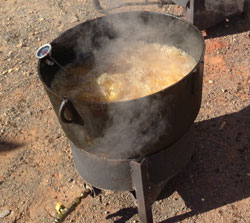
(129,133)
(134,127)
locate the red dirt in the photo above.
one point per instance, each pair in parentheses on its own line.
(36,167)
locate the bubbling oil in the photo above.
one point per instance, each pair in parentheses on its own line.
(125,73)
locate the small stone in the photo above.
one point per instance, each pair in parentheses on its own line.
(5,213)
(25,73)
(20,45)
(34,33)
(70,180)
(10,70)
(202,199)
(42,19)
(74,18)
(106,212)
(210,81)
(5,72)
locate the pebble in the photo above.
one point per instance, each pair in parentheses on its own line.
(210,81)
(5,213)
(10,70)
(34,33)
(74,18)
(25,73)
(5,72)
(21,44)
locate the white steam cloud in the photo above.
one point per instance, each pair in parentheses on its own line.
(134,127)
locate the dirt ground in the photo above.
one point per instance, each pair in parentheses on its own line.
(36,166)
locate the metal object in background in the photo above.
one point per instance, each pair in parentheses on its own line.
(207,13)
(160,3)
(202,13)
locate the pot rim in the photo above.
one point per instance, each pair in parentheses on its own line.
(135,99)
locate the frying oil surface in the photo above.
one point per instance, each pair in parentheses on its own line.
(125,72)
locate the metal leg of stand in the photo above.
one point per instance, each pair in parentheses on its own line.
(142,187)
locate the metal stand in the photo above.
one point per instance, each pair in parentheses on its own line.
(139,176)
(144,178)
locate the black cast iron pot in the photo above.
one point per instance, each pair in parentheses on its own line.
(134,128)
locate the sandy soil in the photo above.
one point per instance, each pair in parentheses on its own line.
(36,166)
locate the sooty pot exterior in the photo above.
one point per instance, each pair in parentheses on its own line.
(134,128)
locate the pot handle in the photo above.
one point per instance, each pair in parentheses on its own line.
(66,102)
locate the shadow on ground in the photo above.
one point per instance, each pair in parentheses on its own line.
(219,172)
(124,214)
(8,146)
(236,24)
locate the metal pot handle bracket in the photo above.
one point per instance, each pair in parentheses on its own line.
(62,108)
(66,103)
